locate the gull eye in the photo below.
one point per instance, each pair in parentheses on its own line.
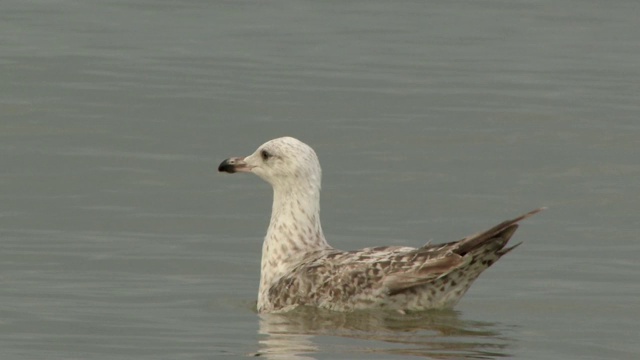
(265,155)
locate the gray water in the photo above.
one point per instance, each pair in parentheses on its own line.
(433,120)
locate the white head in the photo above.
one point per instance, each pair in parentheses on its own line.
(282,162)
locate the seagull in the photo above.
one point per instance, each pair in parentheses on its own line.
(300,268)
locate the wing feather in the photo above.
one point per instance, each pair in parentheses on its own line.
(339,279)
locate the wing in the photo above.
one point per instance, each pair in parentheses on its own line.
(486,247)
(502,231)
(347,280)
(358,279)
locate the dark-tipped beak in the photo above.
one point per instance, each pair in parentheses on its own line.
(233,164)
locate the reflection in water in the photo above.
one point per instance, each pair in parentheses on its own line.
(434,334)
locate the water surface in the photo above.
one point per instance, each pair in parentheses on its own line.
(432,121)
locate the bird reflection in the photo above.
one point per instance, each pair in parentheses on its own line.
(304,332)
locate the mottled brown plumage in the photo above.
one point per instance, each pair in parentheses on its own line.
(300,268)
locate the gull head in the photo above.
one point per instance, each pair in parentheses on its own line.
(282,162)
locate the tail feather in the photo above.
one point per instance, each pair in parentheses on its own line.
(506,250)
(502,231)
(451,268)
